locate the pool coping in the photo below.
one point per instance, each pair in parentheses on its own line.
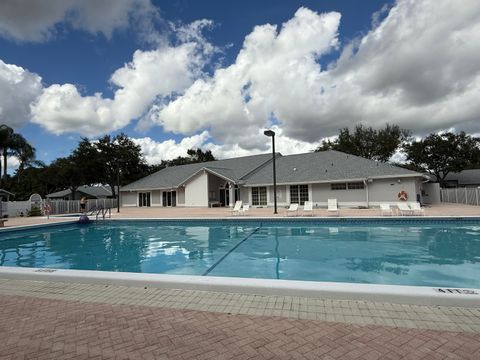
(402,294)
(340,219)
(412,295)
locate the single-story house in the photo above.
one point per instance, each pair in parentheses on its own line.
(465,178)
(90,192)
(315,176)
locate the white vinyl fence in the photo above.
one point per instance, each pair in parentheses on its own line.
(469,196)
(15,208)
(58,207)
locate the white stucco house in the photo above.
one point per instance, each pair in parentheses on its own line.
(315,176)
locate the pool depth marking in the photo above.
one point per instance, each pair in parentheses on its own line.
(230,251)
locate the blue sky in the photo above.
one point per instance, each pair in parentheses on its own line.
(196,81)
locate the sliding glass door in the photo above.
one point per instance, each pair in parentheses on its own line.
(144,199)
(169,198)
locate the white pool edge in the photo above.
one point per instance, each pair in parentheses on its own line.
(411,295)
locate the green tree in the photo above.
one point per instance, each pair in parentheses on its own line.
(14,144)
(198,155)
(441,154)
(194,156)
(6,133)
(69,173)
(367,142)
(117,156)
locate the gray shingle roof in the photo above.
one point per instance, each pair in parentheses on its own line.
(172,177)
(93,191)
(324,166)
(465,177)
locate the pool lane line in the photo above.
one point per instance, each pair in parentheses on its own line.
(230,251)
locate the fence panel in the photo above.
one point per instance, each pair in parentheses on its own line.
(468,196)
(58,207)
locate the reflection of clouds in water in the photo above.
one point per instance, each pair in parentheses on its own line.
(198,233)
(164,247)
(333,230)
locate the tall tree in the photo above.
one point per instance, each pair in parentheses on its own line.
(198,155)
(12,143)
(367,142)
(5,135)
(441,154)
(69,173)
(120,156)
(194,156)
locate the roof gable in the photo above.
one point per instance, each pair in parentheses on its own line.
(174,176)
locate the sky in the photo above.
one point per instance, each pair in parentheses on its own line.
(214,74)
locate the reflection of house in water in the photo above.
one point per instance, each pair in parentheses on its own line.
(363,248)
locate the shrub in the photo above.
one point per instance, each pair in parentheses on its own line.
(35,211)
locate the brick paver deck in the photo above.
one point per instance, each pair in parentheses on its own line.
(54,320)
(34,328)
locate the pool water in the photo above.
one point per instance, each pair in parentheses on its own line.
(435,253)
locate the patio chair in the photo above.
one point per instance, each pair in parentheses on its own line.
(293,209)
(332,207)
(385,209)
(244,209)
(404,209)
(416,208)
(308,208)
(237,207)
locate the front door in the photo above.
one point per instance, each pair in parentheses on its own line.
(143,199)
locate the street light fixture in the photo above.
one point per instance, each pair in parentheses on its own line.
(271,133)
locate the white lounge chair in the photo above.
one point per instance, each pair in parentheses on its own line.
(416,208)
(237,207)
(404,209)
(293,209)
(244,209)
(332,207)
(308,208)
(385,209)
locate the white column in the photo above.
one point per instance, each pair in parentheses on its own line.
(231,190)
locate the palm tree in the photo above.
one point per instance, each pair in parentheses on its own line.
(5,135)
(12,143)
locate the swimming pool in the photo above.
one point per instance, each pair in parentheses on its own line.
(395,252)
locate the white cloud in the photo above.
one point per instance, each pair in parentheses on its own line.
(419,67)
(155,151)
(275,72)
(32,20)
(150,75)
(18,88)
(12,162)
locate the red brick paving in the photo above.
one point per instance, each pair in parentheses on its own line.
(33,328)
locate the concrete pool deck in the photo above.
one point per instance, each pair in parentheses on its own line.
(52,319)
(182,212)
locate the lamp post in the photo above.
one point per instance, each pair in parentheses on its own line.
(118,186)
(271,133)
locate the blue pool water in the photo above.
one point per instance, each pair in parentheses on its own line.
(430,253)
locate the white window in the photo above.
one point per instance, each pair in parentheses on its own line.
(350,186)
(259,196)
(356,185)
(339,186)
(298,194)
